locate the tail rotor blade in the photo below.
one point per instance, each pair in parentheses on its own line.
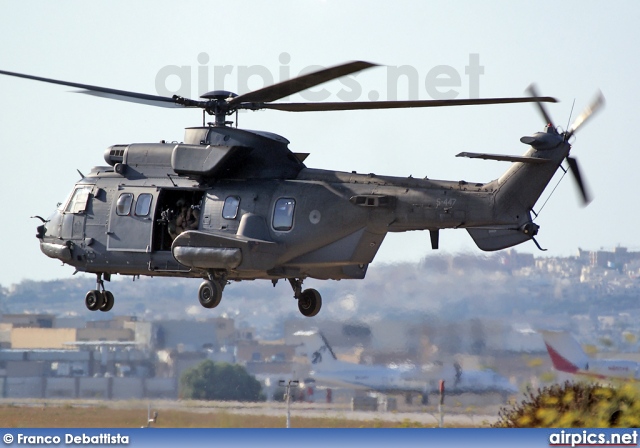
(575,170)
(533,91)
(596,104)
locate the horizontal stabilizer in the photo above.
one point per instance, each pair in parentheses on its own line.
(502,158)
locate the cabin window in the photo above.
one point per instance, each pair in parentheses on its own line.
(79,199)
(230,208)
(143,204)
(123,206)
(283,214)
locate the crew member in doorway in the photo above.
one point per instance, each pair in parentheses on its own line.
(188,217)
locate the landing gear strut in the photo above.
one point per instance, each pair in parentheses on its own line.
(309,300)
(99,298)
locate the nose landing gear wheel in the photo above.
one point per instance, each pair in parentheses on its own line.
(210,294)
(99,298)
(310,302)
(94,300)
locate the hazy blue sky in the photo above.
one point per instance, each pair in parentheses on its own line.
(570,49)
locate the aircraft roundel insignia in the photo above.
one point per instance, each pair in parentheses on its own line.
(314,217)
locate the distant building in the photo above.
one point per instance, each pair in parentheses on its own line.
(260,351)
(195,335)
(29,320)
(43,338)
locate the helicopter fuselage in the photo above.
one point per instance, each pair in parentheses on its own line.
(232,204)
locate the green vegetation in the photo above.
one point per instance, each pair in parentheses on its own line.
(219,381)
(575,405)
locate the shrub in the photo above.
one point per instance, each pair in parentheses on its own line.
(574,405)
(219,381)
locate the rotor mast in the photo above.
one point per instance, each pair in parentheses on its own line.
(216,104)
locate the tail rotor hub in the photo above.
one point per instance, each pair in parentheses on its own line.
(551,138)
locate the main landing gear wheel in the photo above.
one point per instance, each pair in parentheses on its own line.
(210,294)
(94,300)
(310,302)
(108,301)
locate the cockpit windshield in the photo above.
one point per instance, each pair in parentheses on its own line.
(78,201)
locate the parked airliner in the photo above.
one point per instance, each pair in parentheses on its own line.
(328,370)
(568,356)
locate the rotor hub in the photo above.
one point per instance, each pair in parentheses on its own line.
(219,95)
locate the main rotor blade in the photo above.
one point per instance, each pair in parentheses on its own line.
(596,104)
(533,91)
(149,100)
(358,105)
(295,85)
(573,164)
(105,92)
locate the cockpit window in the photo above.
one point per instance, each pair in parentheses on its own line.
(79,199)
(123,206)
(230,208)
(143,204)
(283,214)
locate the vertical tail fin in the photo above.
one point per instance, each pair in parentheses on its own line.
(520,187)
(517,191)
(319,351)
(565,352)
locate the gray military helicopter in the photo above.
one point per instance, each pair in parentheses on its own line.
(230,204)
